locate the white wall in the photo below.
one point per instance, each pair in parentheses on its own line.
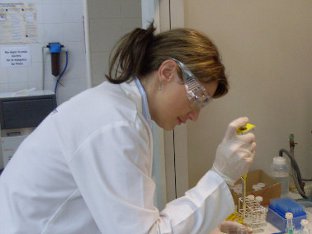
(108,21)
(267,51)
(57,21)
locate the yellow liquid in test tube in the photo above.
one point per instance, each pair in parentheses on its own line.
(244,179)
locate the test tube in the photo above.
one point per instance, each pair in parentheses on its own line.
(289,225)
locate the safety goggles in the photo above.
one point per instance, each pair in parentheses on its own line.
(196,93)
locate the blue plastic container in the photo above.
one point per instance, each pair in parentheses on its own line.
(279,207)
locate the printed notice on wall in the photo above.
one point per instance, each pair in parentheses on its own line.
(18,56)
(18,23)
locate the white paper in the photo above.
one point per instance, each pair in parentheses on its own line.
(15,56)
(18,23)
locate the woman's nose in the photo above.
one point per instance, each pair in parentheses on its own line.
(193,115)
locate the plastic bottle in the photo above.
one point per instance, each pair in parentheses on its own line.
(280,172)
(289,225)
(304,227)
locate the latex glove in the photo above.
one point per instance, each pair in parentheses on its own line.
(234,228)
(235,153)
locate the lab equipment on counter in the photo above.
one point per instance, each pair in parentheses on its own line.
(280,172)
(289,223)
(297,178)
(252,213)
(244,182)
(249,212)
(258,183)
(20,113)
(304,227)
(278,209)
(25,110)
(255,214)
(242,130)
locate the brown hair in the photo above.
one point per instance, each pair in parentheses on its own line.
(141,52)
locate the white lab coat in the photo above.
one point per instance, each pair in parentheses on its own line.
(87,169)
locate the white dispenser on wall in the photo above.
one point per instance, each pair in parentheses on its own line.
(280,172)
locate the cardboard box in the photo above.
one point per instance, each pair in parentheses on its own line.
(272,188)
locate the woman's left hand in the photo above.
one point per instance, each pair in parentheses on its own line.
(234,228)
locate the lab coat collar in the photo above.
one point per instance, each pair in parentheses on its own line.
(139,95)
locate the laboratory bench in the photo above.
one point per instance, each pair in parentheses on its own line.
(268,228)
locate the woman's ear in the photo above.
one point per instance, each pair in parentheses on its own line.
(167,70)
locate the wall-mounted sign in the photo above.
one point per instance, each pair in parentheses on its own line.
(15,56)
(18,23)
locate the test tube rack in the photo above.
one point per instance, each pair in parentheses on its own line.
(253,213)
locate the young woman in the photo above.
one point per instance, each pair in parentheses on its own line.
(87,167)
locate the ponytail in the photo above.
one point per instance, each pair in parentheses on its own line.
(140,52)
(128,56)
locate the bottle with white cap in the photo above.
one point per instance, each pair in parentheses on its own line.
(289,224)
(280,172)
(304,227)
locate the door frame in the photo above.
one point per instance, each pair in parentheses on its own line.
(172,145)
(171,15)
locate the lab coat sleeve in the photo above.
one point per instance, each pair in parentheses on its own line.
(202,208)
(112,170)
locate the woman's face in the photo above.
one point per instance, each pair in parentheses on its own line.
(171,105)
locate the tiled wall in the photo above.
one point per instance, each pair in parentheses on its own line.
(57,21)
(108,21)
(62,21)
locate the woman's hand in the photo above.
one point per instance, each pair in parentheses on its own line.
(235,153)
(234,228)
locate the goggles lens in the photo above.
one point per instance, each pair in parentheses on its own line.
(196,93)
